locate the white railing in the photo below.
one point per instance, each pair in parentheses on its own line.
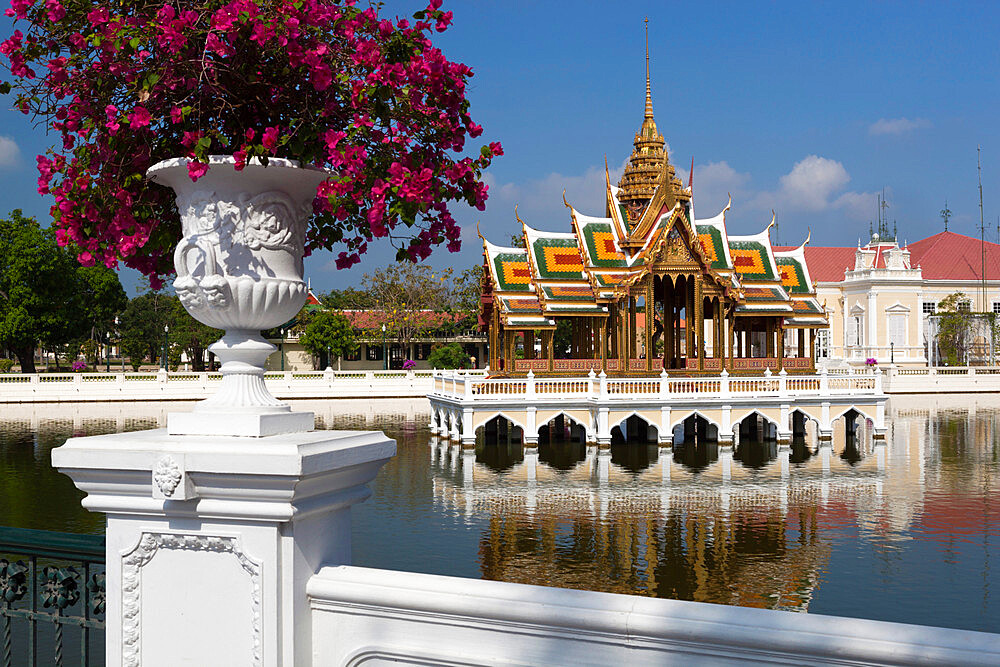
(161,385)
(463,387)
(366,616)
(942,379)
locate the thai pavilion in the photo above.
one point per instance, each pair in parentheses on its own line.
(617,293)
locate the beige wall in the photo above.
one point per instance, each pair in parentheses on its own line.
(903,297)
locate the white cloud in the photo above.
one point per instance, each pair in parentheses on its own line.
(540,203)
(10,154)
(713,184)
(814,185)
(897,125)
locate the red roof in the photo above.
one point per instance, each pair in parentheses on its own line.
(374,319)
(951,256)
(944,256)
(826,264)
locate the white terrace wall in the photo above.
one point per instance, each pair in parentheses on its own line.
(162,386)
(377,617)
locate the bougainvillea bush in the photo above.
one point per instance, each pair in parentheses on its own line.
(126,84)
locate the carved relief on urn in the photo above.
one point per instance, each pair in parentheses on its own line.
(239,263)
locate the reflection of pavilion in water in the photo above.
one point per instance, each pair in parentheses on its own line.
(736,525)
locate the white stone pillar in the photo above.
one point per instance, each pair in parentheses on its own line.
(531,426)
(603,428)
(212,539)
(825,428)
(456,427)
(784,434)
(664,435)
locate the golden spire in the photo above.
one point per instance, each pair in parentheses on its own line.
(648,158)
(649,94)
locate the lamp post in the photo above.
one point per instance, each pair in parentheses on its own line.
(385,355)
(892,352)
(166,345)
(107,353)
(281,350)
(329,362)
(121,354)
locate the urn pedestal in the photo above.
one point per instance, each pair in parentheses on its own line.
(239,268)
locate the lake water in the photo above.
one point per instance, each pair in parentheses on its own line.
(906,531)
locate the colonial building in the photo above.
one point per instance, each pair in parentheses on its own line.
(880,298)
(647,286)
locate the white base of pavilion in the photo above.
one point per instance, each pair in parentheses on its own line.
(461,404)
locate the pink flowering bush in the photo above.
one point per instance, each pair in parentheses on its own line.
(125,85)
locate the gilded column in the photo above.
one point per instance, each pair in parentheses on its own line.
(812,348)
(699,323)
(604,345)
(550,346)
(689,315)
(649,323)
(780,335)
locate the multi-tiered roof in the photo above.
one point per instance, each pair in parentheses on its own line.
(648,217)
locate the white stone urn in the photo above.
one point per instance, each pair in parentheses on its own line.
(239,268)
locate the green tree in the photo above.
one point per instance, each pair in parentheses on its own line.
(135,347)
(144,318)
(463,301)
(104,297)
(188,335)
(348,298)
(328,331)
(408,297)
(42,293)
(448,356)
(954,331)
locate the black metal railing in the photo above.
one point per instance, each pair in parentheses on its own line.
(51,597)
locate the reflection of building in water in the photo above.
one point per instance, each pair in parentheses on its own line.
(746,527)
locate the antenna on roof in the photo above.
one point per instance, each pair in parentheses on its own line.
(946,214)
(982,223)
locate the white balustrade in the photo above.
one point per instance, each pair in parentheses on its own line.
(161,385)
(601,388)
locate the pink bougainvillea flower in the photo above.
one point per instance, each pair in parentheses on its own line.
(328,83)
(139,117)
(270,138)
(196,169)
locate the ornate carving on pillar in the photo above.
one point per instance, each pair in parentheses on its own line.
(149,545)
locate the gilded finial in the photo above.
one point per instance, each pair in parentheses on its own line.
(649,95)
(479,233)
(808,236)
(728,203)
(566,203)
(516,216)
(772,223)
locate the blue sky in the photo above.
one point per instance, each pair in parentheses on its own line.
(806,108)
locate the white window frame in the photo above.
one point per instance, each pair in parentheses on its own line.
(823,343)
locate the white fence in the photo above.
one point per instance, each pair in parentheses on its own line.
(377,617)
(947,380)
(163,386)
(451,385)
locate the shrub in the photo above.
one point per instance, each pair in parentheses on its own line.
(448,356)
(6,365)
